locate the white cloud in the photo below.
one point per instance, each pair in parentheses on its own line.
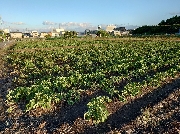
(70,25)
(75,24)
(49,23)
(67,24)
(11,23)
(18,23)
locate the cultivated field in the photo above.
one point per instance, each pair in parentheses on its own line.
(83,85)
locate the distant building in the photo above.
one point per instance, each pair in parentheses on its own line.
(62,32)
(93,31)
(57,32)
(34,33)
(6,31)
(122,29)
(125,33)
(80,34)
(43,34)
(116,33)
(16,35)
(110,28)
(54,34)
(87,32)
(130,31)
(26,35)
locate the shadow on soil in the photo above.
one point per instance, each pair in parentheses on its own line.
(169,125)
(130,111)
(69,114)
(65,114)
(5,84)
(124,115)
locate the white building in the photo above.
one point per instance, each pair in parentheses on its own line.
(26,35)
(16,35)
(6,31)
(116,33)
(43,34)
(54,34)
(59,31)
(110,28)
(125,33)
(34,33)
(120,31)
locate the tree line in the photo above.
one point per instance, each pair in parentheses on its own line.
(170,26)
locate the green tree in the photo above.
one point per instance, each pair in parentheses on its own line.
(175,20)
(102,33)
(162,22)
(2,35)
(70,34)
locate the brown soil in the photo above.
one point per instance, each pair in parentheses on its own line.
(156,110)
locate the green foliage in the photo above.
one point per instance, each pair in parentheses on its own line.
(44,94)
(97,110)
(103,33)
(1,33)
(54,71)
(170,26)
(70,34)
(156,30)
(171,21)
(48,36)
(35,96)
(132,89)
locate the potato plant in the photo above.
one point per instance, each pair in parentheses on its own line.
(51,71)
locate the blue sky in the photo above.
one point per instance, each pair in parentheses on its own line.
(82,14)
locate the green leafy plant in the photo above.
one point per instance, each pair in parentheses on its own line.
(35,96)
(97,110)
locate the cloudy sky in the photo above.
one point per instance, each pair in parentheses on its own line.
(81,14)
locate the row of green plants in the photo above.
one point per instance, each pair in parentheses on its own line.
(61,42)
(47,76)
(28,44)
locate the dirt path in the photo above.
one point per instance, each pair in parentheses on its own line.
(5,85)
(6,43)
